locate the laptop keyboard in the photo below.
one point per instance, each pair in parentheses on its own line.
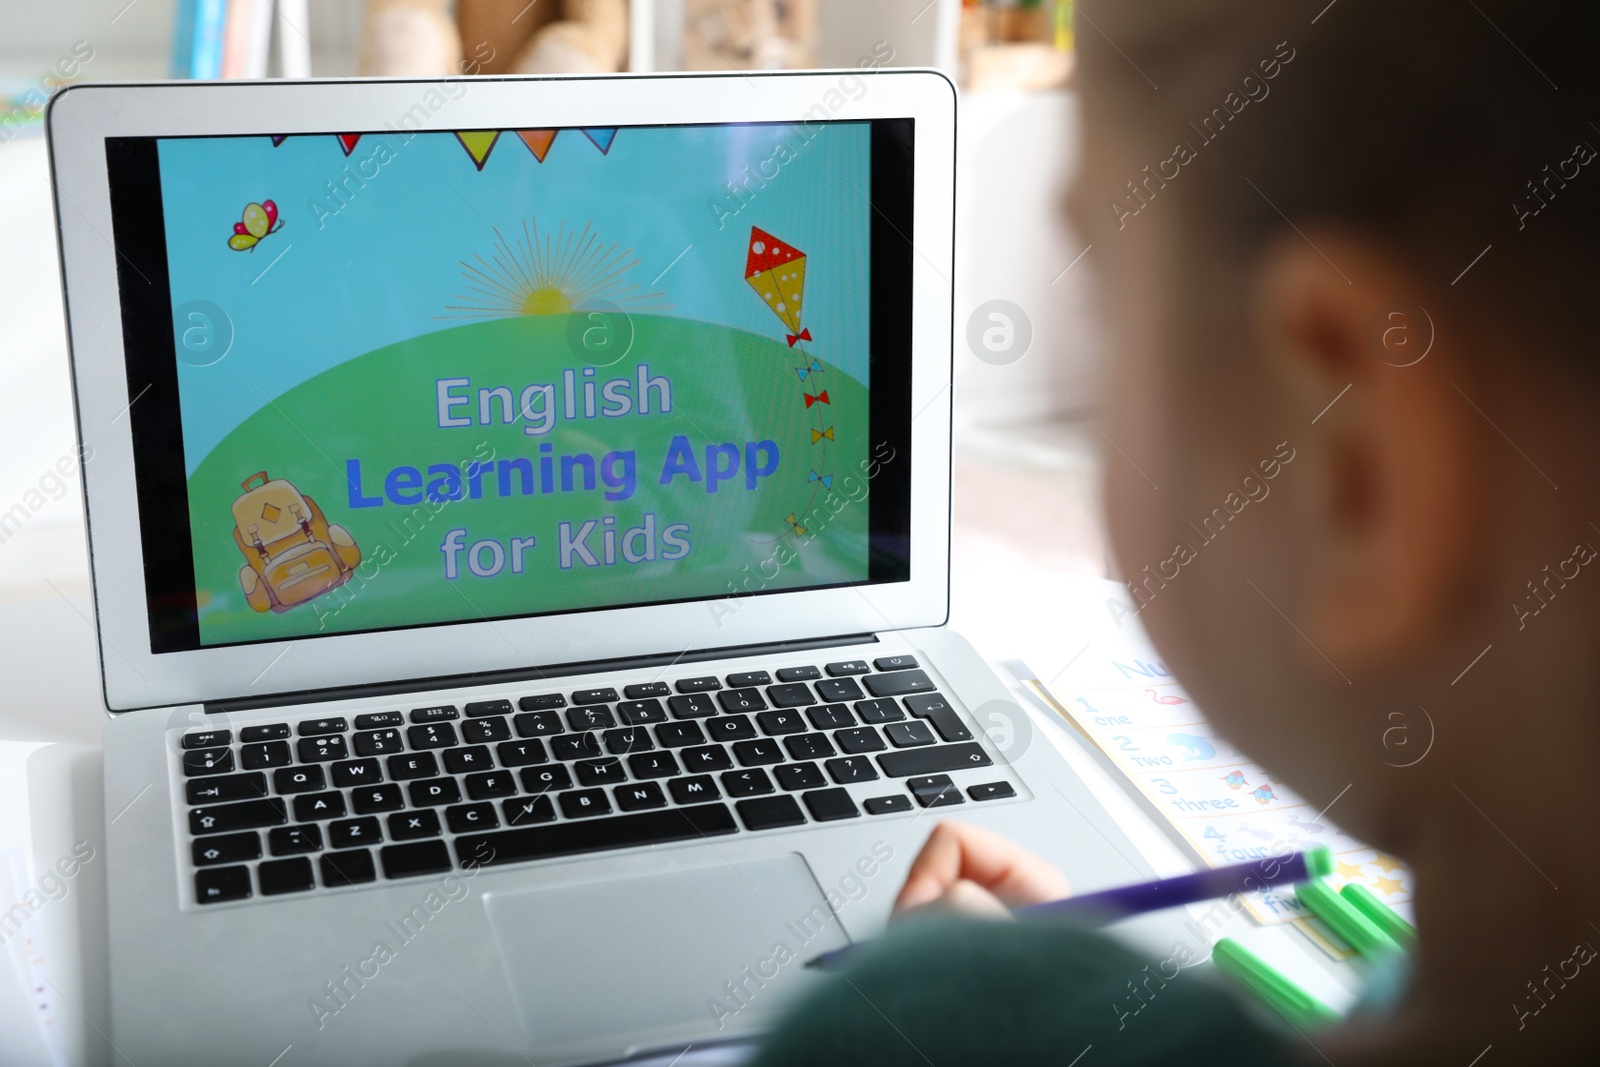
(285,807)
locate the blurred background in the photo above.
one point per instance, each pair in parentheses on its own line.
(1027,515)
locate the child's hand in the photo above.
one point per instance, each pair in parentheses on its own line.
(964,869)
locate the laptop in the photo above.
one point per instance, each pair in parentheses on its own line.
(519,518)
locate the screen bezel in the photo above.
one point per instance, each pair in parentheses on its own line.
(82,119)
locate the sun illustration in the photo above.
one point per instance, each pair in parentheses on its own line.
(550,274)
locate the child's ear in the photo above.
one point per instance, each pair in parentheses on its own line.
(1383,491)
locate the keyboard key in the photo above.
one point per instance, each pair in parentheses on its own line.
(575,746)
(787,721)
(606,771)
(414,765)
(424,857)
(207,739)
(479,708)
(653,765)
(437,713)
(895,663)
(876,712)
(431,735)
(640,690)
(847,667)
(898,684)
(228,787)
(826,805)
(487,785)
(377,742)
(595,696)
(410,825)
(809,746)
(639,712)
(377,720)
(222,883)
(734,701)
(356,772)
(288,780)
(640,796)
(848,769)
(624,831)
(693,790)
(538,724)
(709,758)
(584,803)
(860,739)
(746,783)
(484,731)
(798,674)
(626,739)
(377,798)
(354,867)
(908,734)
(790,695)
(525,811)
(937,710)
(757,753)
(322,749)
(542,702)
(471,818)
(354,833)
(830,716)
(226,848)
(991,791)
(748,678)
(793,776)
(933,760)
(839,689)
(293,840)
(769,813)
(314,807)
(934,790)
(273,731)
(430,792)
(731,728)
(545,779)
(886,805)
(265,754)
(707,684)
(597,717)
(678,734)
(692,706)
(320,727)
(520,753)
(464,760)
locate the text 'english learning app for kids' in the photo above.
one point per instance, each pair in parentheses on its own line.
(460,376)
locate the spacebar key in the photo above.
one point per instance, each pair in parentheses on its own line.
(933,760)
(595,835)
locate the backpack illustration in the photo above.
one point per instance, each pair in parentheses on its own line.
(292,553)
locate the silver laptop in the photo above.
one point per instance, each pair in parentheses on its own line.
(519,513)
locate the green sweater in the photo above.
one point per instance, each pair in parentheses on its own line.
(947,993)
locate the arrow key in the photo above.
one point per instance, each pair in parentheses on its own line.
(226,848)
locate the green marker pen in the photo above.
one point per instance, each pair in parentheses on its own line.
(1299,1007)
(1382,916)
(1342,917)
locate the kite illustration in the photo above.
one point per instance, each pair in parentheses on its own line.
(258,221)
(777,272)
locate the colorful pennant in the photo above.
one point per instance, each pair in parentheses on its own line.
(602,138)
(278,139)
(478,143)
(347,141)
(538,142)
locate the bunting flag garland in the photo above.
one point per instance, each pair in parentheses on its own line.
(347,141)
(478,143)
(602,139)
(538,142)
(278,139)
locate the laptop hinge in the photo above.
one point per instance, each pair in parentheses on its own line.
(530,674)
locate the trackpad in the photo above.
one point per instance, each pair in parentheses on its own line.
(630,964)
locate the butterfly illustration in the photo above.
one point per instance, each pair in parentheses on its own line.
(258,221)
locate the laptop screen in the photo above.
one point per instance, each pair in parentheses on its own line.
(395,379)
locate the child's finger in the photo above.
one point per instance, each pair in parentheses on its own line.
(956,851)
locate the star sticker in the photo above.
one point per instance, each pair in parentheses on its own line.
(1350,872)
(1388,863)
(1391,886)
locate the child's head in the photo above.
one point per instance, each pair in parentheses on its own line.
(1352,255)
